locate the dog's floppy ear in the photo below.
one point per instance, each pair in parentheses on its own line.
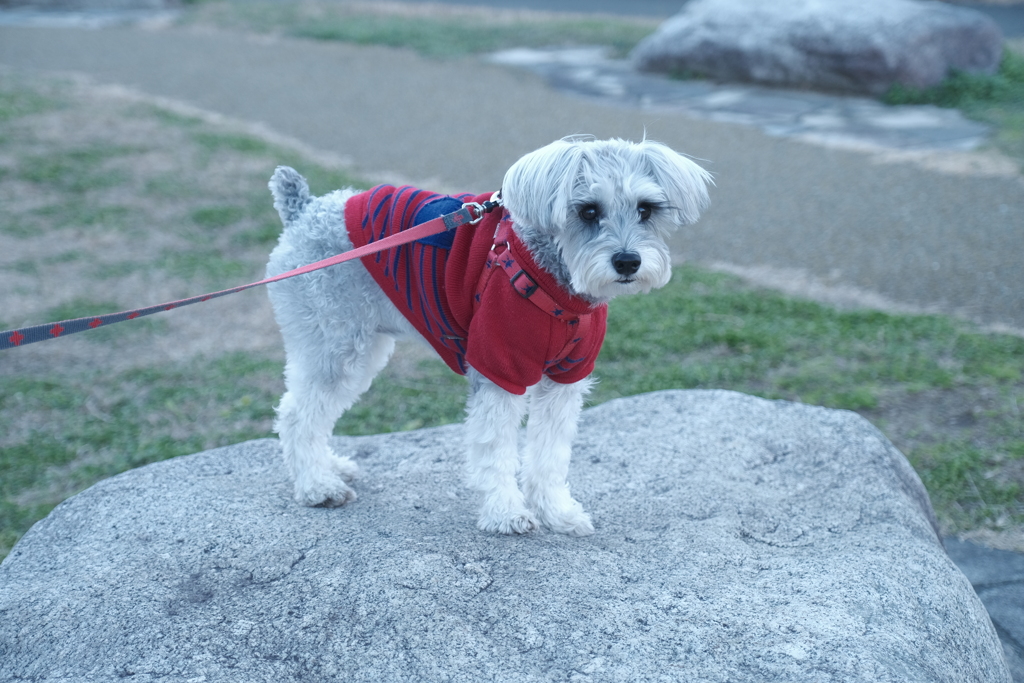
(538,187)
(685,182)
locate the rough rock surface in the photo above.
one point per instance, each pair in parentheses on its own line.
(849,45)
(737,539)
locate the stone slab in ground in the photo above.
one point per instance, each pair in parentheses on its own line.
(861,46)
(824,118)
(737,539)
(998,579)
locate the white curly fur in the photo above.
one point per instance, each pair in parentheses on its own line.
(593,213)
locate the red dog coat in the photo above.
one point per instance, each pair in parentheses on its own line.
(470,302)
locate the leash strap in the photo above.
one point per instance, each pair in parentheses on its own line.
(469,214)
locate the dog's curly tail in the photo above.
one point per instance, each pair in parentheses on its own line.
(291,193)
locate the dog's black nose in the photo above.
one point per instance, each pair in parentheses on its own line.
(626,262)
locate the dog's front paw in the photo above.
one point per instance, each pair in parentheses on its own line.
(561,513)
(326,493)
(328,485)
(574,522)
(507,520)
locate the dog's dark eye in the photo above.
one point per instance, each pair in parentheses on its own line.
(645,211)
(589,213)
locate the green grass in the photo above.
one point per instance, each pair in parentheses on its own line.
(96,424)
(963,89)
(75,171)
(217,216)
(236,142)
(451,34)
(206,266)
(77,214)
(959,481)
(452,38)
(708,332)
(435,396)
(63,214)
(20,102)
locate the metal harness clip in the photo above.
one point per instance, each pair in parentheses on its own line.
(479,208)
(488,206)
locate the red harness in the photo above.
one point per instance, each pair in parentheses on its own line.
(502,255)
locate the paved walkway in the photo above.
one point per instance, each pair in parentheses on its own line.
(855,222)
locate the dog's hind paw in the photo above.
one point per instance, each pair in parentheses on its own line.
(346,468)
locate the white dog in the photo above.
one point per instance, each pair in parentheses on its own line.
(517,302)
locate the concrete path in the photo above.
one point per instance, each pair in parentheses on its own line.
(838,223)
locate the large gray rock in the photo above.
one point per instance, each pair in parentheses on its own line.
(850,45)
(737,539)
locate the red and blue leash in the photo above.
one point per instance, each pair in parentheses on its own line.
(469,213)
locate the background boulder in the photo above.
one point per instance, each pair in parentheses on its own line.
(737,539)
(860,46)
